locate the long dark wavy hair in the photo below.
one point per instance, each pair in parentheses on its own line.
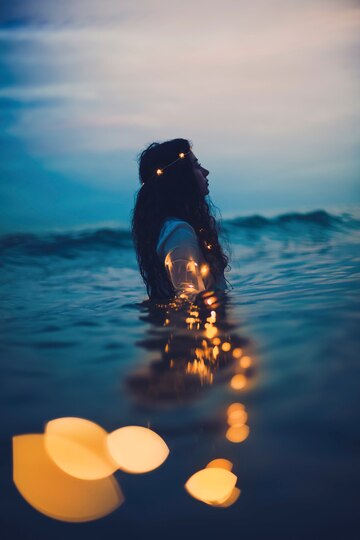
(175,193)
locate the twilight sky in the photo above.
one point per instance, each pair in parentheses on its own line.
(267,90)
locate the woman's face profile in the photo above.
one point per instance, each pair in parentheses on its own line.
(200,174)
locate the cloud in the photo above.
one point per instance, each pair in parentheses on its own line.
(266,85)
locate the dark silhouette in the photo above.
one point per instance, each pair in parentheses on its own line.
(172,187)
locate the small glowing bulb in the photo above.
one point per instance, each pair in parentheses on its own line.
(159,172)
(181,155)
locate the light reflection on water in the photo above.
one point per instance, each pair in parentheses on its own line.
(77,341)
(67,473)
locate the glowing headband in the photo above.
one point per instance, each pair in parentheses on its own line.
(159,171)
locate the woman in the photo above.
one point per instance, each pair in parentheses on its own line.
(174,232)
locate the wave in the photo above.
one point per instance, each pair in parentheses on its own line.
(317,218)
(66,244)
(71,243)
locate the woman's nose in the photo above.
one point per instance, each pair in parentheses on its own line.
(205,171)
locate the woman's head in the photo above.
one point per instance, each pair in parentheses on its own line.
(172,172)
(173,184)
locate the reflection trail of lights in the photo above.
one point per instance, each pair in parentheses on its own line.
(67,472)
(195,345)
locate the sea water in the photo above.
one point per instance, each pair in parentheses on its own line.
(78,340)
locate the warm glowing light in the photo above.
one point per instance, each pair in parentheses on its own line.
(220,464)
(54,493)
(211,485)
(237,418)
(191,266)
(216,341)
(226,346)
(238,381)
(78,447)
(168,262)
(215,352)
(198,367)
(235,494)
(181,155)
(245,362)
(237,352)
(159,172)
(204,270)
(190,321)
(167,347)
(210,331)
(237,434)
(137,449)
(235,407)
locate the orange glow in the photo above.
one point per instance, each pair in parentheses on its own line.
(210,331)
(168,261)
(78,447)
(198,367)
(167,347)
(237,434)
(245,362)
(235,494)
(204,270)
(238,381)
(191,266)
(235,407)
(226,346)
(211,485)
(54,493)
(237,418)
(237,352)
(215,352)
(220,464)
(137,449)
(216,341)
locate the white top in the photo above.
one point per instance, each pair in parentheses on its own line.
(179,249)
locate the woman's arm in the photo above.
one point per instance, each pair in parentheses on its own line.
(183,262)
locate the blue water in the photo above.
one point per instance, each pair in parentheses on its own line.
(79,340)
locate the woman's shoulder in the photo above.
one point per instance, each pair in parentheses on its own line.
(176,229)
(171,224)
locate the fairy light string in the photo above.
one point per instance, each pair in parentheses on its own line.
(161,170)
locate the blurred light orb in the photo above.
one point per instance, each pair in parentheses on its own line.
(78,447)
(237,418)
(237,352)
(235,407)
(53,492)
(137,449)
(220,463)
(237,434)
(245,362)
(238,381)
(211,485)
(226,346)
